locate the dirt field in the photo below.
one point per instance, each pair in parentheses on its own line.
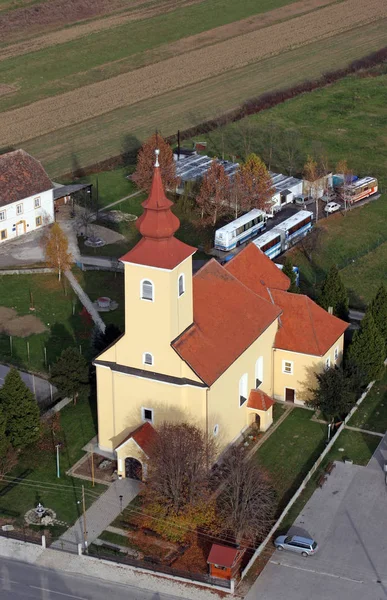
(11,324)
(185,45)
(193,67)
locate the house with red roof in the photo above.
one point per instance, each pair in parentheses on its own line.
(26,195)
(217,349)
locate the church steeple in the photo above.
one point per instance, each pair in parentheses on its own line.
(157,225)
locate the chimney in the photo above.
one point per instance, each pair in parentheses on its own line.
(330,310)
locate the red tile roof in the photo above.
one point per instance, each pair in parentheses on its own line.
(305,326)
(259,400)
(21,176)
(157,225)
(223,556)
(253,268)
(144,436)
(228,318)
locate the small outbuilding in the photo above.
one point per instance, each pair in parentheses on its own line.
(224,561)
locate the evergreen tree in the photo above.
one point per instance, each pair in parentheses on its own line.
(333,293)
(366,353)
(378,309)
(70,374)
(4,440)
(19,406)
(288,270)
(334,395)
(103,340)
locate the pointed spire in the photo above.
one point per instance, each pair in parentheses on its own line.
(157,152)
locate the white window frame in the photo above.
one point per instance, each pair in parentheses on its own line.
(259,371)
(180,278)
(336,354)
(327,363)
(4,213)
(153,290)
(144,359)
(287,362)
(144,419)
(37,202)
(243,389)
(19,208)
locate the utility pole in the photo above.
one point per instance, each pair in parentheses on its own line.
(84,518)
(57,446)
(92,468)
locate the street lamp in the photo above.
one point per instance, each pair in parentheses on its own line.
(121,498)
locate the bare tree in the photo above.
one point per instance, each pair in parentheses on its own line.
(290,150)
(213,198)
(344,193)
(247,502)
(271,141)
(180,460)
(311,244)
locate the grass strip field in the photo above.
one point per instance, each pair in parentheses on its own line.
(76,106)
(105,136)
(290,452)
(372,413)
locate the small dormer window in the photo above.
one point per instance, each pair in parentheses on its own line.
(147,290)
(147,359)
(181,285)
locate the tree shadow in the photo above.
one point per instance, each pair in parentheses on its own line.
(60,338)
(129,150)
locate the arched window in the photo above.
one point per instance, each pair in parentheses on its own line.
(147,290)
(259,372)
(243,385)
(147,358)
(181,285)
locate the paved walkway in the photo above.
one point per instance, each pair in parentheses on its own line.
(100,514)
(87,303)
(104,262)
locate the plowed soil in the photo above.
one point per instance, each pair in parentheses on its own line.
(178,72)
(184,45)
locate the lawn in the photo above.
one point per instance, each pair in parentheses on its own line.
(372,413)
(106,283)
(291,451)
(37,470)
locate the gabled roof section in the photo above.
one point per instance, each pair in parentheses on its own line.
(158,247)
(305,326)
(257,271)
(144,436)
(224,556)
(21,176)
(228,318)
(258,400)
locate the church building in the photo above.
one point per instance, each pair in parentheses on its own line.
(216,349)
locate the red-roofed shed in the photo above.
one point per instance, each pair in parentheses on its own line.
(224,561)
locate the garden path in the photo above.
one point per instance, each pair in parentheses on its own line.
(87,303)
(101,513)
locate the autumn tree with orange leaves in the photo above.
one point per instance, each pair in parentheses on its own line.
(213,199)
(56,250)
(146,159)
(255,182)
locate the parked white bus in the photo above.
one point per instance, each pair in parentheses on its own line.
(270,243)
(297,226)
(231,235)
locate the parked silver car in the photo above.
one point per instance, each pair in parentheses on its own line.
(296,543)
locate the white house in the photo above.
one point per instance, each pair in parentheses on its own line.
(286,190)
(26,195)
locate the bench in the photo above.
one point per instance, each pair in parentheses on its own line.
(321,480)
(329,468)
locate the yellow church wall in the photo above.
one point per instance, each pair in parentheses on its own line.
(304,367)
(223,396)
(130,450)
(150,326)
(122,398)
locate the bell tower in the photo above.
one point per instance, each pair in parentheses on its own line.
(158,287)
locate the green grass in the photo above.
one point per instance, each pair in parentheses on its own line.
(114,538)
(60,63)
(290,452)
(54,303)
(372,413)
(278,411)
(357,446)
(37,469)
(106,283)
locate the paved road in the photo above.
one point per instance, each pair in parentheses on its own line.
(21,581)
(348,518)
(40,387)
